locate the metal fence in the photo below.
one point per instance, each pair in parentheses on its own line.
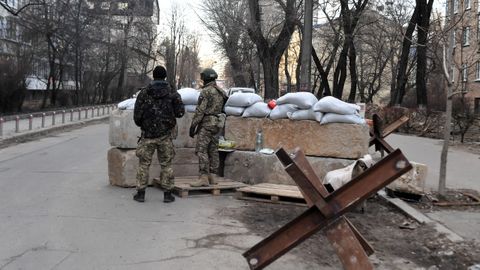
(15,124)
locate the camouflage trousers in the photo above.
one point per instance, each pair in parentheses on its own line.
(207,150)
(165,153)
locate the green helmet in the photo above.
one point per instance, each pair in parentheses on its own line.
(208,75)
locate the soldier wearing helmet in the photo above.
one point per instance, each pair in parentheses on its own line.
(206,124)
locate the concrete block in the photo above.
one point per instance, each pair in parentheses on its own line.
(254,168)
(332,140)
(124,133)
(123,164)
(183,140)
(412,181)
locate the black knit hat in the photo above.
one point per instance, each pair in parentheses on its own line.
(159,72)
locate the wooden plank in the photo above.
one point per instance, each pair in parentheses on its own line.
(269,191)
(269,199)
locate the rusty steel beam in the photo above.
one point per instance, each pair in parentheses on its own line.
(394,126)
(349,250)
(341,201)
(301,161)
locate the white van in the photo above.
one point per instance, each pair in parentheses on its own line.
(239,90)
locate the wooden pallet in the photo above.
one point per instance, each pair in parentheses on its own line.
(272,193)
(183,189)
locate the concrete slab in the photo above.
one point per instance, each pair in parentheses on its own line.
(251,167)
(123,133)
(331,140)
(123,164)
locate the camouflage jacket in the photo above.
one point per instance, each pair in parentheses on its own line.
(155,110)
(210,104)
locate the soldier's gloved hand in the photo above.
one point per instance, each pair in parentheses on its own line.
(192,131)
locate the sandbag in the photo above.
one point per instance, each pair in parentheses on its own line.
(259,110)
(334,105)
(243,99)
(305,115)
(340,177)
(190,108)
(128,104)
(280,111)
(235,111)
(303,100)
(342,118)
(189,96)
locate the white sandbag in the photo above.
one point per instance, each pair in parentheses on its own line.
(189,96)
(342,118)
(340,177)
(305,115)
(128,104)
(334,105)
(259,110)
(190,108)
(243,99)
(280,111)
(303,100)
(235,111)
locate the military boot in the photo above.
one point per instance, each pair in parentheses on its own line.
(201,182)
(213,179)
(168,197)
(140,196)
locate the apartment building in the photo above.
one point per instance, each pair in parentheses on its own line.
(466,64)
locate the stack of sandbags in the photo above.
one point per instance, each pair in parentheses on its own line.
(337,111)
(257,110)
(296,106)
(189,98)
(128,104)
(238,102)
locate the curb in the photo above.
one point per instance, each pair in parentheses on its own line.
(420,217)
(29,135)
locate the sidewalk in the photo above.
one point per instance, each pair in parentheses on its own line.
(22,127)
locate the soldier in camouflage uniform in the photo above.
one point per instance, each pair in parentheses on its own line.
(206,124)
(155,111)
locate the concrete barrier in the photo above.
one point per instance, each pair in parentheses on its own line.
(123,132)
(123,164)
(332,140)
(254,168)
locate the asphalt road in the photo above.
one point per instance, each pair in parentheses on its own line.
(57,211)
(462,167)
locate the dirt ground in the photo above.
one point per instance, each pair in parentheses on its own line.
(399,242)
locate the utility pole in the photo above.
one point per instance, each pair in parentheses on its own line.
(305,68)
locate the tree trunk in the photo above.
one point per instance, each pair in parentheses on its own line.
(340,74)
(401,79)
(352,58)
(270,70)
(423,29)
(324,89)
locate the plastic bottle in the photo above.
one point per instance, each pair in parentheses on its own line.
(259,141)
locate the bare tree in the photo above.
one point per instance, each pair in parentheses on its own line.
(226,19)
(272,40)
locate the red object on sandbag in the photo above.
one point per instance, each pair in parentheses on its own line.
(272,104)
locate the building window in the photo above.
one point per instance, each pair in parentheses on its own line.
(105,5)
(478,26)
(477,71)
(3,26)
(453,74)
(454,38)
(466,36)
(464,73)
(467,4)
(477,106)
(122,6)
